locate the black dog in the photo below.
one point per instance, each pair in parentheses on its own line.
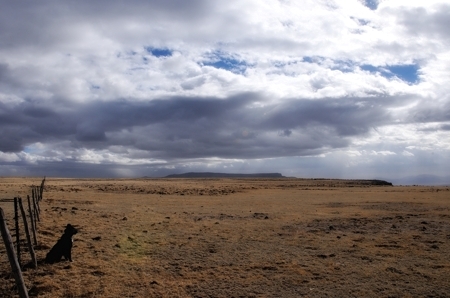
(63,247)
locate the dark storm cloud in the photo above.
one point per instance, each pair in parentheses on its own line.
(28,122)
(427,112)
(242,126)
(155,8)
(347,116)
(50,24)
(7,80)
(3,71)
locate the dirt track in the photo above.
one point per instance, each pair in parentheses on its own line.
(239,238)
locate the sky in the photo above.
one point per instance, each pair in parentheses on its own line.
(312,89)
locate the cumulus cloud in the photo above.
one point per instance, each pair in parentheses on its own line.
(148,87)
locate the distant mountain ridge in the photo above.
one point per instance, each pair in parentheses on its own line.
(268,175)
(224,175)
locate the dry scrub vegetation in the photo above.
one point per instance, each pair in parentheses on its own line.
(238,238)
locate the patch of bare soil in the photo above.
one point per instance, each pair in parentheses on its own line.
(239,238)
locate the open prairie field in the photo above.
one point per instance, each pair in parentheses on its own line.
(237,238)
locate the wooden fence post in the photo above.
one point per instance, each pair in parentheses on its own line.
(16,220)
(33,220)
(36,211)
(27,233)
(42,188)
(17,273)
(38,198)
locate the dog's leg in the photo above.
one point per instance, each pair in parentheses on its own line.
(68,255)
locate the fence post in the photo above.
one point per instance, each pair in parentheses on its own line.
(27,233)
(33,220)
(38,198)
(23,293)
(36,211)
(42,188)
(16,220)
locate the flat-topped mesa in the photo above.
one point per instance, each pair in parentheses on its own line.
(380,182)
(375,182)
(224,175)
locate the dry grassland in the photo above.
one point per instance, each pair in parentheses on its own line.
(238,238)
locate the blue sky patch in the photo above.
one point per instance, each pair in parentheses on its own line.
(219,60)
(361,22)
(308,59)
(370,68)
(372,4)
(407,72)
(159,52)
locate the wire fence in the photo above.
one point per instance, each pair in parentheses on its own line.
(22,238)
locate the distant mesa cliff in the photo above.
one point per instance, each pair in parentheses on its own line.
(381,182)
(273,175)
(224,175)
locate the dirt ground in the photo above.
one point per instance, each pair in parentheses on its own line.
(237,238)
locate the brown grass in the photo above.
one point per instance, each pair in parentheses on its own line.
(238,238)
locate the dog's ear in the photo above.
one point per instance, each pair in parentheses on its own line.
(70,229)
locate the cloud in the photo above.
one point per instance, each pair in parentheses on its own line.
(159,86)
(431,23)
(241,126)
